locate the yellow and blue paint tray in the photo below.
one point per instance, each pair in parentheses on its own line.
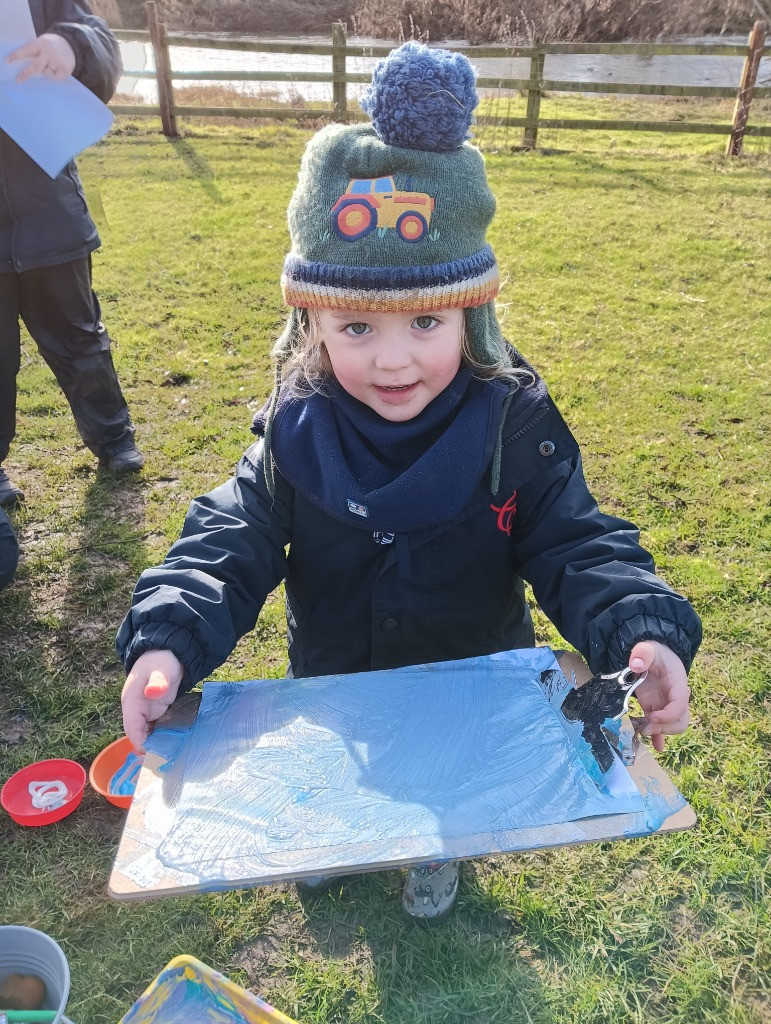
(187,990)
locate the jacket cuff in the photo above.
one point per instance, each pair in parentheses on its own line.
(647,627)
(73,34)
(165,636)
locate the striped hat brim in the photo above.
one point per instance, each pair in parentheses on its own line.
(462,283)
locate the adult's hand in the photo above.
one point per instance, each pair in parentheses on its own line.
(48,55)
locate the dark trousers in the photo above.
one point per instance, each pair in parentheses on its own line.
(61,312)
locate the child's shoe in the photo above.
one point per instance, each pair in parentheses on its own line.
(10,494)
(430,890)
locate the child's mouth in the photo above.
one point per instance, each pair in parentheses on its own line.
(394,392)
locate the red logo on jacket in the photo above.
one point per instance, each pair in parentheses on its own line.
(506,513)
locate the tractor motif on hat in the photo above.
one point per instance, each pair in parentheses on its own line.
(370,203)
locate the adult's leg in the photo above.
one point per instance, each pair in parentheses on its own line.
(62,313)
(9,368)
(9,360)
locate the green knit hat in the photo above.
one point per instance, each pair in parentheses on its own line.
(392,215)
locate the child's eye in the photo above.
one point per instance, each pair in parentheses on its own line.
(425,323)
(356,329)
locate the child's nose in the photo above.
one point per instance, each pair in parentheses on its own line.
(392,354)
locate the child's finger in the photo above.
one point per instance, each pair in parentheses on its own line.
(135,727)
(642,656)
(675,711)
(670,725)
(157,686)
(657,731)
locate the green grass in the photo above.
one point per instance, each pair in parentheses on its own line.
(637,280)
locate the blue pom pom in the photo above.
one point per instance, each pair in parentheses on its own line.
(422,98)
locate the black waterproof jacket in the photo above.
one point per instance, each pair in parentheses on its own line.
(355,605)
(9,550)
(45,221)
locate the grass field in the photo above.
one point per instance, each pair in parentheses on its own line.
(637,279)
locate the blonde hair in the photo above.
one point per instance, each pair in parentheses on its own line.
(309,368)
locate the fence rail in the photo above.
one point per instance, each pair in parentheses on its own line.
(339,49)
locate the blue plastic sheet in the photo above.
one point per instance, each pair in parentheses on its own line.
(371,769)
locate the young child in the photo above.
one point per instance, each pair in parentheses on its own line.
(46,240)
(412,469)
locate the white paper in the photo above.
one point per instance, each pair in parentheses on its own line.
(618,781)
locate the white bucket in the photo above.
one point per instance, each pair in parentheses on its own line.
(28,951)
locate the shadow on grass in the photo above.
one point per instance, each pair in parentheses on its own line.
(357,950)
(198,168)
(351,954)
(60,678)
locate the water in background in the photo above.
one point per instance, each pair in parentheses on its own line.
(654,70)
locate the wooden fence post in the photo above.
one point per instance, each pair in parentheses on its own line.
(162,70)
(746,88)
(339,97)
(537,62)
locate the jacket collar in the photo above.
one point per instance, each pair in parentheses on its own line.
(377,476)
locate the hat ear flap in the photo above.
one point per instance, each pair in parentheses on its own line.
(485,341)
(289,343)
(290,340)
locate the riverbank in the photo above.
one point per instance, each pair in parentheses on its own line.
(473,20)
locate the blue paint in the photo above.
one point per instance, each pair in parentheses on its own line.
(613,725)
(308,794)
(124,781)
(166,743)
(427,757)
(658,806)
(189,991)
(179,1000)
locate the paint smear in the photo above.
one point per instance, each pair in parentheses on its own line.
(361,770)
(189,991)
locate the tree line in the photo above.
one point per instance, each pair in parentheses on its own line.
(476,21)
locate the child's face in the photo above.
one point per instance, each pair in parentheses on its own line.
(396,363)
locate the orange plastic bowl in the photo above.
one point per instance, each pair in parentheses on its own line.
(16,799)
(105,765)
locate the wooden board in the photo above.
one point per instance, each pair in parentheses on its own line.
(139,873)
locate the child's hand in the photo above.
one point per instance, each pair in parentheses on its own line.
(664,694)
(49,55)
(149,690)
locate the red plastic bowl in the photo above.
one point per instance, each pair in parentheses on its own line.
(105,765)
(15,797)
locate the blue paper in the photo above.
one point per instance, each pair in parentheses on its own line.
(51,121)
(16,29)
